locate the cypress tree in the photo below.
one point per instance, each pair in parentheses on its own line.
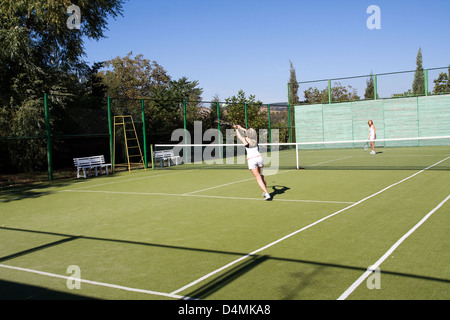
(419,77)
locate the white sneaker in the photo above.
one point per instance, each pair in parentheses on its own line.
(266,196)
(372,152)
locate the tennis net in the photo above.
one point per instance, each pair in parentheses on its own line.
(401,153)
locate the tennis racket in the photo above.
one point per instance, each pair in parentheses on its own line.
(366,146)
(224,123)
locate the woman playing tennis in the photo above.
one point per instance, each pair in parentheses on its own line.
(254,158)
(372,136)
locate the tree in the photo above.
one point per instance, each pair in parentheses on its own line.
(339,93)
(41,54)
(293,86)
(418,86)
(36,42)
(235,111)
(133,77)
(370,89)
(442,83)
(166,108)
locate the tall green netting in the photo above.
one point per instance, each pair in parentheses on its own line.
(22,134)
(79,128)
(425,116)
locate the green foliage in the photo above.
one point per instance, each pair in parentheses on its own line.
(41,54)
(133,78)
(339,93)
(235,111)
(166,108)
(293,86)
(370,89)
(418,86)
(442,83)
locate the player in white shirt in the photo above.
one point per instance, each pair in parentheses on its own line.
(372,136)
(254,159)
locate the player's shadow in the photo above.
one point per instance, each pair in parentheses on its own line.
(277,190)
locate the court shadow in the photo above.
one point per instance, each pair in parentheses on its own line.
(277,190)
(16,291)
(228,277)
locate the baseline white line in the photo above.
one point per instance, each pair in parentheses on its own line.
(300,230)
(95,283)
(229,183)
(204,196)
(389,252)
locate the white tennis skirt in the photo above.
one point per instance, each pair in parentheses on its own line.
(255,162)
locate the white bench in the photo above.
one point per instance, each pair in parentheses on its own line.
(163,155)
(94,162)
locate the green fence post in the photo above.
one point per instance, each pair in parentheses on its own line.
(270,127)
(426,82)
(329,91)
(144,134)
(375,87)
(246,119)
(49,138)
(111,138)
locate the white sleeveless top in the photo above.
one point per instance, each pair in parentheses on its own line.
(252,152)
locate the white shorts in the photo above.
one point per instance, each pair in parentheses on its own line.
(255,162)
(372,137)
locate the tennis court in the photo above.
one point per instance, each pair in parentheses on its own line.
(346,225)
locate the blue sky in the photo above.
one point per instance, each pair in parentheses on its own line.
(247,44)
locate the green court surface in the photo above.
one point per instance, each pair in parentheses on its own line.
(205,232)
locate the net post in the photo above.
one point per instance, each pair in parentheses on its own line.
(151,154)
(49,138)
(185,128)
(296,155)
(143,133)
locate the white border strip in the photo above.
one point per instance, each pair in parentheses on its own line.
(300,230)
(95,283)
(389,252)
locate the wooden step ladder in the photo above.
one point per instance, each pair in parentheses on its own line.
(132,146)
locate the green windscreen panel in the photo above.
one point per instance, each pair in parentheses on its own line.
(393,118)
(309,123)
(434,116)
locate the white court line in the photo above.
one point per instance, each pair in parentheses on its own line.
(222,185)
(317,164)
(95,283)
(389,252)
(300,230)
(133,179)
(203,196)
(230,183)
